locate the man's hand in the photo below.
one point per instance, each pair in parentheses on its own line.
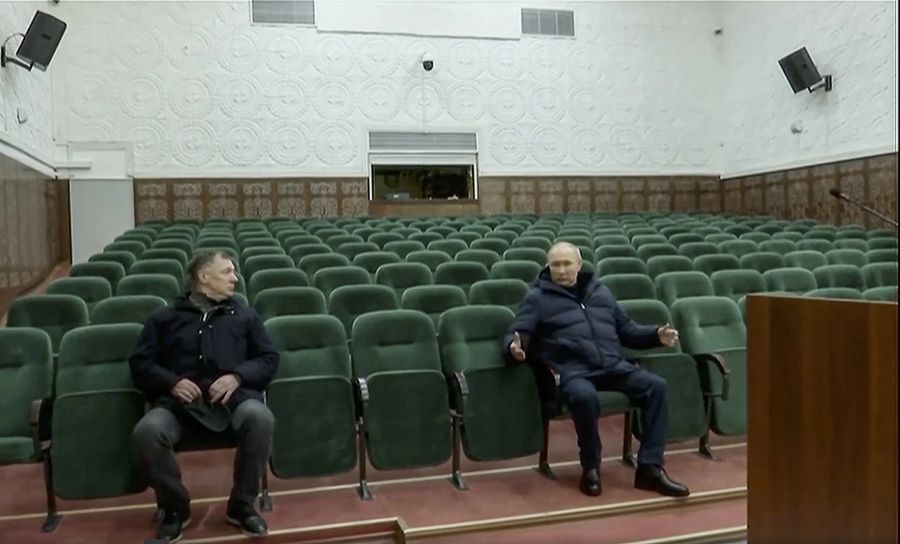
(515,348)
(222,389)
(668,335)
(186,391)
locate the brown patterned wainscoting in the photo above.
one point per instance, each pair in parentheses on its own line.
(34,228)
(201,199)
(562,194)
(803,192)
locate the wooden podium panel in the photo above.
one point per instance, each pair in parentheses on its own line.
(822,427)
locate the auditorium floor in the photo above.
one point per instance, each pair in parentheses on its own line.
(509,499)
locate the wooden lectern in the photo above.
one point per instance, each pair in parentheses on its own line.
(822,427)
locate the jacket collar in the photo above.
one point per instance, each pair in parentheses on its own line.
(183,302)
(545,283)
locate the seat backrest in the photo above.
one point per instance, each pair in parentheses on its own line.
(647,312)
(880,274)
(54,314)
(313,263)
(693,250)
(393,340)
(467,237)
(275,277)
(668,263)
(719,237)
(735,284)
(125,258)
(266,262)
(161,285)
(708,264)
(762,261)
(429,257)
(113,272)
(672,286)
(499,292)
(497,245)
(882,243)
(815,244)
(371,261)
(782,247)
(433,300)
(352,249)
(167,253)
(350,301)
(647,251)
(888,255)
(620,265)
(526,271)
(277,301)
(295,240)
(309,345)
(790,280)
(450,247)
(485,257)
(461,274)
(840,275)
(888,294)
(847,256)
(95,357)
(532,254)
(251,252)
(810,260)
(137,248)
(126,309)
(738,248)
(852,243)
(330,278)
(382,238)
(606,251)
(835,292)
(298,252)
(472,337)
(709,324)
(336,241)
(158,266)
(404,247)
(26,375)
(400,276)
(630,286)
(680,238)
(90,289)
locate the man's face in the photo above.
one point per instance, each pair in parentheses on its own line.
(564,265)
(217,280)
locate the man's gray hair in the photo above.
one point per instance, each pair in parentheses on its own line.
(569,245)
(201,260)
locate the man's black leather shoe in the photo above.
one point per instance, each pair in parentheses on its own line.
(250,522)
(172,524)
(654,478)
(590,483)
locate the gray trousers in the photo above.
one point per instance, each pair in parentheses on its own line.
(157,434)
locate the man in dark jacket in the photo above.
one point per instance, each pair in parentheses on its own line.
(204,362)
(572,321)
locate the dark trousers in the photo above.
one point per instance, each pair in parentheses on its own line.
(158,433)
(645,389)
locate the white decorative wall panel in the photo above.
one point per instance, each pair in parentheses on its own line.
(25,98)
(201,91)
(853,41)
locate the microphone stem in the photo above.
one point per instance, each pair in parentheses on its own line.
(883,217)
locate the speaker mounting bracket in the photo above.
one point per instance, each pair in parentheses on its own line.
(824,83)
(4,59)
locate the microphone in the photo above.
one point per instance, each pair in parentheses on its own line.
(835,192)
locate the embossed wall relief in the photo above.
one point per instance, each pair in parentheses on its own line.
(202,199)
(803,192)
(34,227)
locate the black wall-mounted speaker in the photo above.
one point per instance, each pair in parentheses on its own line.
(800,70)
(41,40)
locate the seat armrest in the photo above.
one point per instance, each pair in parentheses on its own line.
(718,362)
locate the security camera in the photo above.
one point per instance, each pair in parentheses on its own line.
(428,62)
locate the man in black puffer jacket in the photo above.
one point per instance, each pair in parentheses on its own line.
(572,321)
(205,362)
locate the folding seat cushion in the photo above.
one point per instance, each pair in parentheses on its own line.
(311,397)
(401,276)
(275,277)
(405,409)
(126,309)
(90,289)
(499,404)
(94,413)
(888,294)
(26,375)
(835,292)
(54,314)
(532,254)
(714,325)
(668,263)
(433,300)
(278,301)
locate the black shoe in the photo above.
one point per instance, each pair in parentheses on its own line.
(250,522)
(590,483)
(654,478)
(172,523)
